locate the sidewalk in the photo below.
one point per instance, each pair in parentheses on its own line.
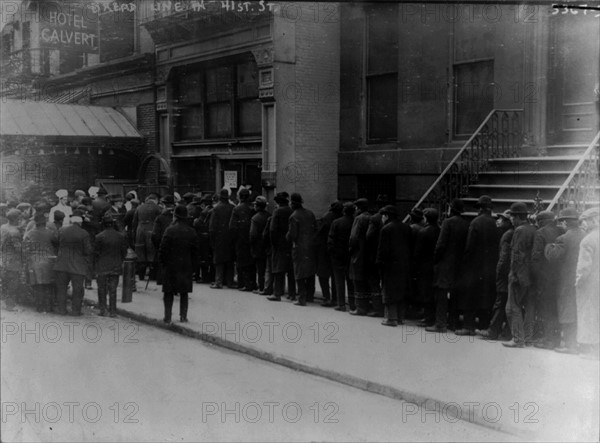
(530,393)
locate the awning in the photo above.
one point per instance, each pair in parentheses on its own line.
(33,118)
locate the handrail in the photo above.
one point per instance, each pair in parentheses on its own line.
(460,153)
(587,156)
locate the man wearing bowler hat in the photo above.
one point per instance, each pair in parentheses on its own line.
(359,304)
(520,307)
(339,251)
(221,241)
(239,225)
(143,224)
(281,262)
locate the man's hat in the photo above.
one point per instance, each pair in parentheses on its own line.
(13,215)
(296,198)
(416,213)
(568,214)
(79,193)
(362,203)
(518,208)
(485,201)
(207,198)
(382,198)
(590,213)
(281,197)
(181,212)
(336,207)
(61,193)
(59,215)
(188,196)
(505,215)
(168,200)
(389,210)
(102,191)
(431,214)
(23,206)
(107,219)
(260,201)
(457,205)
(243,194)
(349,208)
(224,193)
(77,213)
(546,215)
(152,196)
(39,217)
(135,202)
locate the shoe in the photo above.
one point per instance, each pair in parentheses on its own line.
(327,304)
(485,333)
(292,298)
(274,298)
(464,332)
(340,308)
(112,314)
(512,344)
(243,289)
(388,322)
(375,314)
(257,291)
(167,321)
(425,324)
(544,345)
(216,286)
(566,350)
(102,313)
(357,312)
(183,319)
(299,303)
(436,329)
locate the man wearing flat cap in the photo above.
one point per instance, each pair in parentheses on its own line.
(479,264)
(63,206)
(360,303)
(587,283)
(393,259)
(563,254)
(221,241)
(281,262)
(11,265)
(520,307)
(447,258)
(239,225)
(117,211)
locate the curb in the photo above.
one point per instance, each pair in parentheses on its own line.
(426,402)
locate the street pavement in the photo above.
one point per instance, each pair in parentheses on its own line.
(100,379)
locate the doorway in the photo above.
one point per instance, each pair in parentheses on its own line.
(235,173)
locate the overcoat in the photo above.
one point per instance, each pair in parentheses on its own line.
(161,223)
(201,226)
(323,258)
(258,248)
(178,256)
(143,223)
(219,233)
(565,253)
(239,225)
(110,249)
(359,248)
(281,247)
(39,245)
(301,233)
(11,248)
(520,255)
(75,251)
(338,241)
(588,287)
(545,273)
(479,264)
(503,266)
(393,258)
(449,250)
(424,248)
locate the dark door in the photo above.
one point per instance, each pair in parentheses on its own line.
(473,95)
(573,76)
(246,172)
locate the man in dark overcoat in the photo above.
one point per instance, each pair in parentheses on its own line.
(128,222)
(200,224)
(178,255)
(239,225)
(359,304)
(447,259)
(339,251)
(301,234)
(498,323)
(546,279)
(258,248)
(110,249)
(281,247)
(564,253)
(374,276)
(424,241)
(161,223)
(221,241)
(117,211)
(520,307)
(393,259)
(480,258)
(143,224)
(324,271)
(73,263)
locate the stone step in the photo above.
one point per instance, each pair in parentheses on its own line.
(518,164)
(523,177)
(514,192)
(560,150)
(502,204)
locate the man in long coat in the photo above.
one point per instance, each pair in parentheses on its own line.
(161,223)
(393,258)
(424,242)
(281,247)
(447,258)
(11,265)
(587,284)
(301,233)
(258,248)
(221,241)
(546,276)
(201,226)
(375,225)
(239,225)
(73,263)
(143,223)
(479,265)
(359,304)
(178,255)
(324,271)
(338,247)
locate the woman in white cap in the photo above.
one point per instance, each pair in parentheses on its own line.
(63,206)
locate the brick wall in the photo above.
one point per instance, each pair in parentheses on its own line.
(146,121)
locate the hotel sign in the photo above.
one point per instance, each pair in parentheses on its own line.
(69,26)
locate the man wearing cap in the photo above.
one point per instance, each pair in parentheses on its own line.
(178,255)
(143,224)
(393,259)
(338,246)
(75,255)
(39,246)
(424,242)
(520,306)
(479,263)
(282,248)
(239,225)
(563,254)
(117,211)
(324,271)
(11,265)
(587,283)
(258,247)
(161,223)
(63,206)
(375,225)
(447,258)
(498,318)
(201,226)
(99,206)
(360,303)
(110,249)
(301,234)
(78,196)
(546,279)
(221,241)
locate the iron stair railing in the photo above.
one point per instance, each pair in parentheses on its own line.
(581,188)
(500,135)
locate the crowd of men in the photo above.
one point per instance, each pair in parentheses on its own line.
(528,281)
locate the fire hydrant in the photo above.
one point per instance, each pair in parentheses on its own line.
(128,276)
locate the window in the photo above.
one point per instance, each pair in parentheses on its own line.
(219,101)
(382,73)
(474,95)
(117,32)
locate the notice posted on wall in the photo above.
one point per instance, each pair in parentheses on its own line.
(230,179)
